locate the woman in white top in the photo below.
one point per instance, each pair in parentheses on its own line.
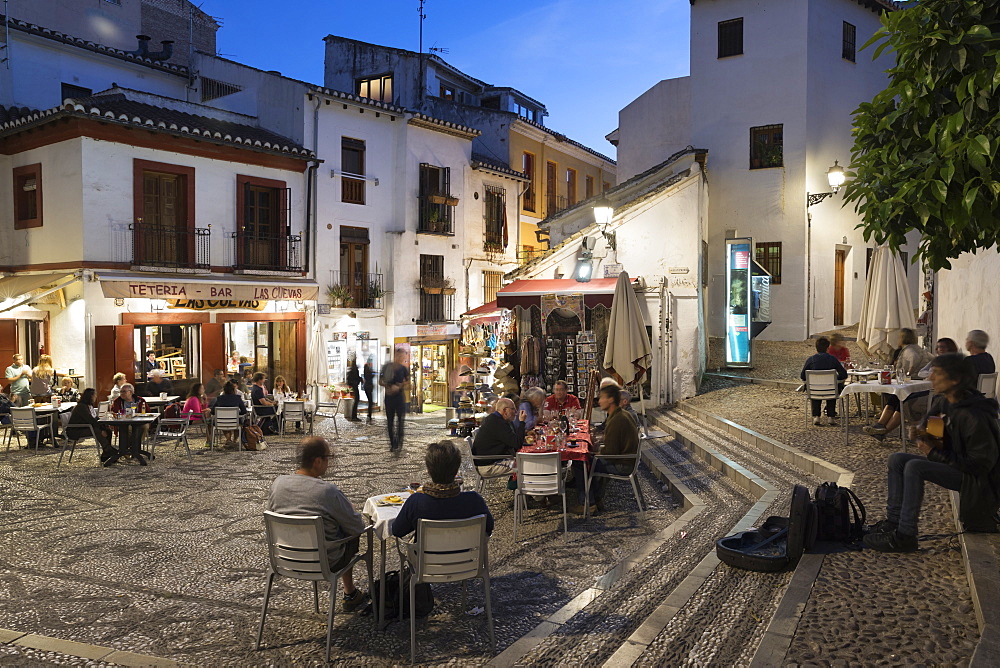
(119,380)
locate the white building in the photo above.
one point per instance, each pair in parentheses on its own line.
(772,89)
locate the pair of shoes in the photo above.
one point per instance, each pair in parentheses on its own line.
(876,429)
(831,420)
(355,600)
(111,460)
(818,421)
(882,526)
(891,541)
(578,509)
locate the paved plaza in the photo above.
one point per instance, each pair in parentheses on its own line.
(167,562)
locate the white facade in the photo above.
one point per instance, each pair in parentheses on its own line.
(964,296)
(790,73)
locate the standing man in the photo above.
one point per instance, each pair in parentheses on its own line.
(621,437)
(354,382)
(306,493)
(151,363)
(395,378)
(976,342)
(369,379)
(263,407)
(19,376)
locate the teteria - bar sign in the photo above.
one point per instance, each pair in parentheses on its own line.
(182,290)
(210,304)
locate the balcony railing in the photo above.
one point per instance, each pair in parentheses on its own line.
(360,290)
(435,215)
(554,204)
(352,190)
(436,308)
(168,246)
(526,255)
(494,245)
(268,253)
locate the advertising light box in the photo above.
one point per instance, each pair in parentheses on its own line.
(738,302)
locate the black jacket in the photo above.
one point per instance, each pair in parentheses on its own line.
(972,445)
(353,376)
(496,436)
(824,362)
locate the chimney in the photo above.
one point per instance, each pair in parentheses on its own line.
(166,50)
(143,50)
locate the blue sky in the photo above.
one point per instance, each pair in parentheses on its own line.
(583,59)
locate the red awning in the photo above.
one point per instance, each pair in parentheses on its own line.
(483,310)
(527,292)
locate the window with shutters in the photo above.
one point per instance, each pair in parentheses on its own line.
(27,196)
(263,239)
(436,204)
(528,169)
(495,218)
(848,49)
(766,146)
(588,186)
(352,164)
(492,282)
(731,38)
(768,255)
(164,232)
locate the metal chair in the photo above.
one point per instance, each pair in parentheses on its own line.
(538,474)
(26,420)
(171,429)
(492,458)
(631,476)
(332,407)
(226,419)
(292,411)
(71,442)
(297,549)
(821,386)
(987,384)
(447,551)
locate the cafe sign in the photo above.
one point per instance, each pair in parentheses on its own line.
(195,291)
(212,304)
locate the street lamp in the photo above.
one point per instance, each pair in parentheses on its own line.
(835,177)
(603,213)
(584,267)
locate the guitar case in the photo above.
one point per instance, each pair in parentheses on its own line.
(778,543)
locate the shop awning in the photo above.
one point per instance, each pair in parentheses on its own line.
(527,292)
(14,286)
(258,288)
(485,309)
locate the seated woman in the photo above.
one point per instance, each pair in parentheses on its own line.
(965,459)
(196,406)
(910,359)
(230,399)
(529,411)
(130,436)
(85,412)
(942,347)
(838,349)
(67,391)
(442,497)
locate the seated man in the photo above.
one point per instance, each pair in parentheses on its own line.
(965,459)
(306,493)
(213,387)
(621,437)
(262,405)
(495,437)
(824,361)
(626,405)
(157,384)
(976,342)
(560,399)
(442,497)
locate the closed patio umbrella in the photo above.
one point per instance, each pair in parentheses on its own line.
(888,305)
(317,372)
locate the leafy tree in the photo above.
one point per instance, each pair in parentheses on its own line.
(925,147)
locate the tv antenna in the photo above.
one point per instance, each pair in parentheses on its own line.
(439,49)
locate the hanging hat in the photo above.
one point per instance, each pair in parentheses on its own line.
(465,370)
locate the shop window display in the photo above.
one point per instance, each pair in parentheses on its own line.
(176,350)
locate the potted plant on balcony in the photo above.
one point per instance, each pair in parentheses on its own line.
(339,295)
(448,286)
(375,291)
(432,284)
(451,201)
(436,198)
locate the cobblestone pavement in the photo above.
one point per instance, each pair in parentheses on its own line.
(865,606)
(169,560)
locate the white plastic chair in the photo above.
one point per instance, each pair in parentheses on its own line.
(292,411)
(987,384)
(26,420)
(326,409)
(71,442)
(538,474)
(632,476)
(447,551)
(226,419)
(820,385)
(171,429)
(297,549)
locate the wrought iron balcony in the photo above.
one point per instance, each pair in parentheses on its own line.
(356,289)
(436,307)
(436,215)
(267,252)
(169,246)
(555,203)
(526,254)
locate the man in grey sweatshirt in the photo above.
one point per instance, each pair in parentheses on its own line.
(306,493)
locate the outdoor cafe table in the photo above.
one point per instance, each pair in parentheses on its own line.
(578,444)
(157,402)
(51,410)
(137,420)
(902,390)
(382,514)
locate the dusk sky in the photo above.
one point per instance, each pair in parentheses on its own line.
(583,59)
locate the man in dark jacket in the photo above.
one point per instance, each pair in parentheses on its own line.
(621,437)
(824,361)
(495,440)
(965,459)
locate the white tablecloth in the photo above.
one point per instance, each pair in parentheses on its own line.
(901,390)
(382,516)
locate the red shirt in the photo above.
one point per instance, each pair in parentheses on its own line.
(552,404)
(842,353)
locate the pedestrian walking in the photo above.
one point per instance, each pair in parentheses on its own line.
(354,382)
(395,378)
(368,374)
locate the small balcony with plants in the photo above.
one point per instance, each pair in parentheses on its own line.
(356,290)
(437,214)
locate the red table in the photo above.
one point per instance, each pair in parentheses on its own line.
(577,448)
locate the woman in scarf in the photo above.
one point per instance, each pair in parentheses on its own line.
(442,497)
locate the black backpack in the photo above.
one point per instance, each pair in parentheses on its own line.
(424,596)
(840,515)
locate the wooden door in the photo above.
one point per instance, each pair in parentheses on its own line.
(213,350)
(838,287)
(114,351)
(161,236)
(8,346)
